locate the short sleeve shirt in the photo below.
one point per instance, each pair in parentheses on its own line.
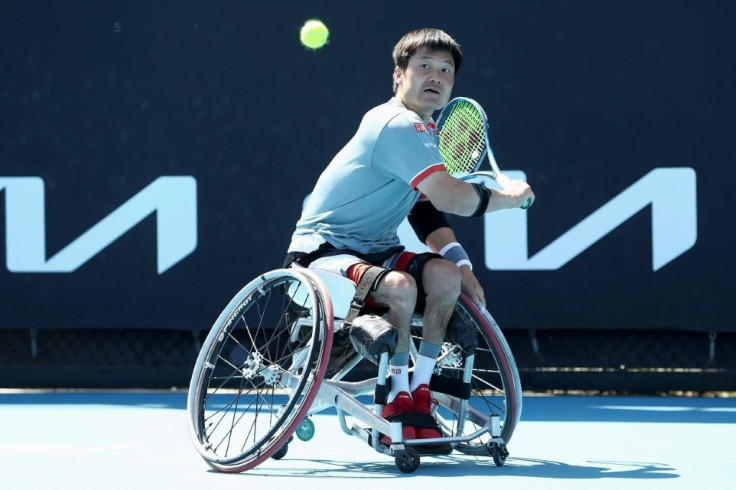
(370,186)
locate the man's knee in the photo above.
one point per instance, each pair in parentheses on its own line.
(397,290)
(442,278)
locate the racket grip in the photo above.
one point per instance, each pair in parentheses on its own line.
(506,183)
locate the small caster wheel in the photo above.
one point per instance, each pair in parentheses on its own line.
(407,461)
(305,430)
(281,452)
(498,452)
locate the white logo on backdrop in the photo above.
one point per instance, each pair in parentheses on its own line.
(671,192)
(172,198)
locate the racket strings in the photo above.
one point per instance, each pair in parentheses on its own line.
(462,139)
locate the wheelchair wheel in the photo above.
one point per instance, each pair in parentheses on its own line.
(495,388)
(259,369)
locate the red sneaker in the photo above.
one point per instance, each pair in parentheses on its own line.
(423,400)
(407,432)
(402,403)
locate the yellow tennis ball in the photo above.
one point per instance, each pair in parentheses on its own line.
(314,34)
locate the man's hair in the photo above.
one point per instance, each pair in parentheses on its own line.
(432,39)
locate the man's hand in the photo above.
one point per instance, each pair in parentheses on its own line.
(472,287)
(515,194)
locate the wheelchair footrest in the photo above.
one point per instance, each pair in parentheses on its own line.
(434,450)
(422,421)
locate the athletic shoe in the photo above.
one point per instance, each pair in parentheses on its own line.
(407,432)
(402,403)
(423,400)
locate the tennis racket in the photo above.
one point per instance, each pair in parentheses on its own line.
(463,133)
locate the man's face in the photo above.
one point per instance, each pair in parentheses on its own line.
(426,84)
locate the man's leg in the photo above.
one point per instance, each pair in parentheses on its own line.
(398,292)
(441,282)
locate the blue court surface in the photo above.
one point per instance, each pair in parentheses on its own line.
(139,440)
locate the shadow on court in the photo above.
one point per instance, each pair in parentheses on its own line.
(456,466)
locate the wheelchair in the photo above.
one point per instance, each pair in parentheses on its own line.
(278,354)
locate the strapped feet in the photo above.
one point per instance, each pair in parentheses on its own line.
(401,404)
(423,400)
(416,424)
(423,403)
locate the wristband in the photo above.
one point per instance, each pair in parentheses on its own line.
(454,252)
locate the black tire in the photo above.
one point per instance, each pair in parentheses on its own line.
(498,453)
(407,461)
(281,452)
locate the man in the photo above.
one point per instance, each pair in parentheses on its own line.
(391,168)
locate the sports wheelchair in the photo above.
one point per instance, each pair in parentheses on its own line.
(280,352)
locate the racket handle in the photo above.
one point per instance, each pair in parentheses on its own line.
(506,183)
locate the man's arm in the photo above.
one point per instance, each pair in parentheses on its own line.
(424,218)
(455,196)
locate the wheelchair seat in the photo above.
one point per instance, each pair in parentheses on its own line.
(341,291)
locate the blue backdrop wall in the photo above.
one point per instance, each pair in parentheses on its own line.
(155,155)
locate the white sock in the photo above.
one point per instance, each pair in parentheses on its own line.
(399,380)
(422,372)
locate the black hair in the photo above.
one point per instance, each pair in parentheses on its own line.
(432,39)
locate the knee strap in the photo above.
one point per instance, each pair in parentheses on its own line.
(368,282)
(370,334)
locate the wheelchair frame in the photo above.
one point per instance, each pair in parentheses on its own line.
(260,375)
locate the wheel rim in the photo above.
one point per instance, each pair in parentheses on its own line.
(495,387)
(252,393)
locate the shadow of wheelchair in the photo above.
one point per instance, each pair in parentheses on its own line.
(469,466)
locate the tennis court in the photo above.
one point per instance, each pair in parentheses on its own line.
(124,440)
(155,159)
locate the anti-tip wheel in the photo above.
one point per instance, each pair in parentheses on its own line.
(281,452)
(407,461)
(498,452)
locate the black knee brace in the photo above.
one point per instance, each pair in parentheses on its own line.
(414,269)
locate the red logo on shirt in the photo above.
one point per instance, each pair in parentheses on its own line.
(419,127)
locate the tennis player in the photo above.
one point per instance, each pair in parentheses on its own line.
(389,170)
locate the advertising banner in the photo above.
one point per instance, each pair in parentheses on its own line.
(154,160)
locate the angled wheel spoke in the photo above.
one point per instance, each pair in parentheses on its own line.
(255,376)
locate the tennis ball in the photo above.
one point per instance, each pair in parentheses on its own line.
(314,34)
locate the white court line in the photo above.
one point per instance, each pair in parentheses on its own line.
(58,449)
(667,409)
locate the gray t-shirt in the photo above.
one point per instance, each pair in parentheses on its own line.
(370,186)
